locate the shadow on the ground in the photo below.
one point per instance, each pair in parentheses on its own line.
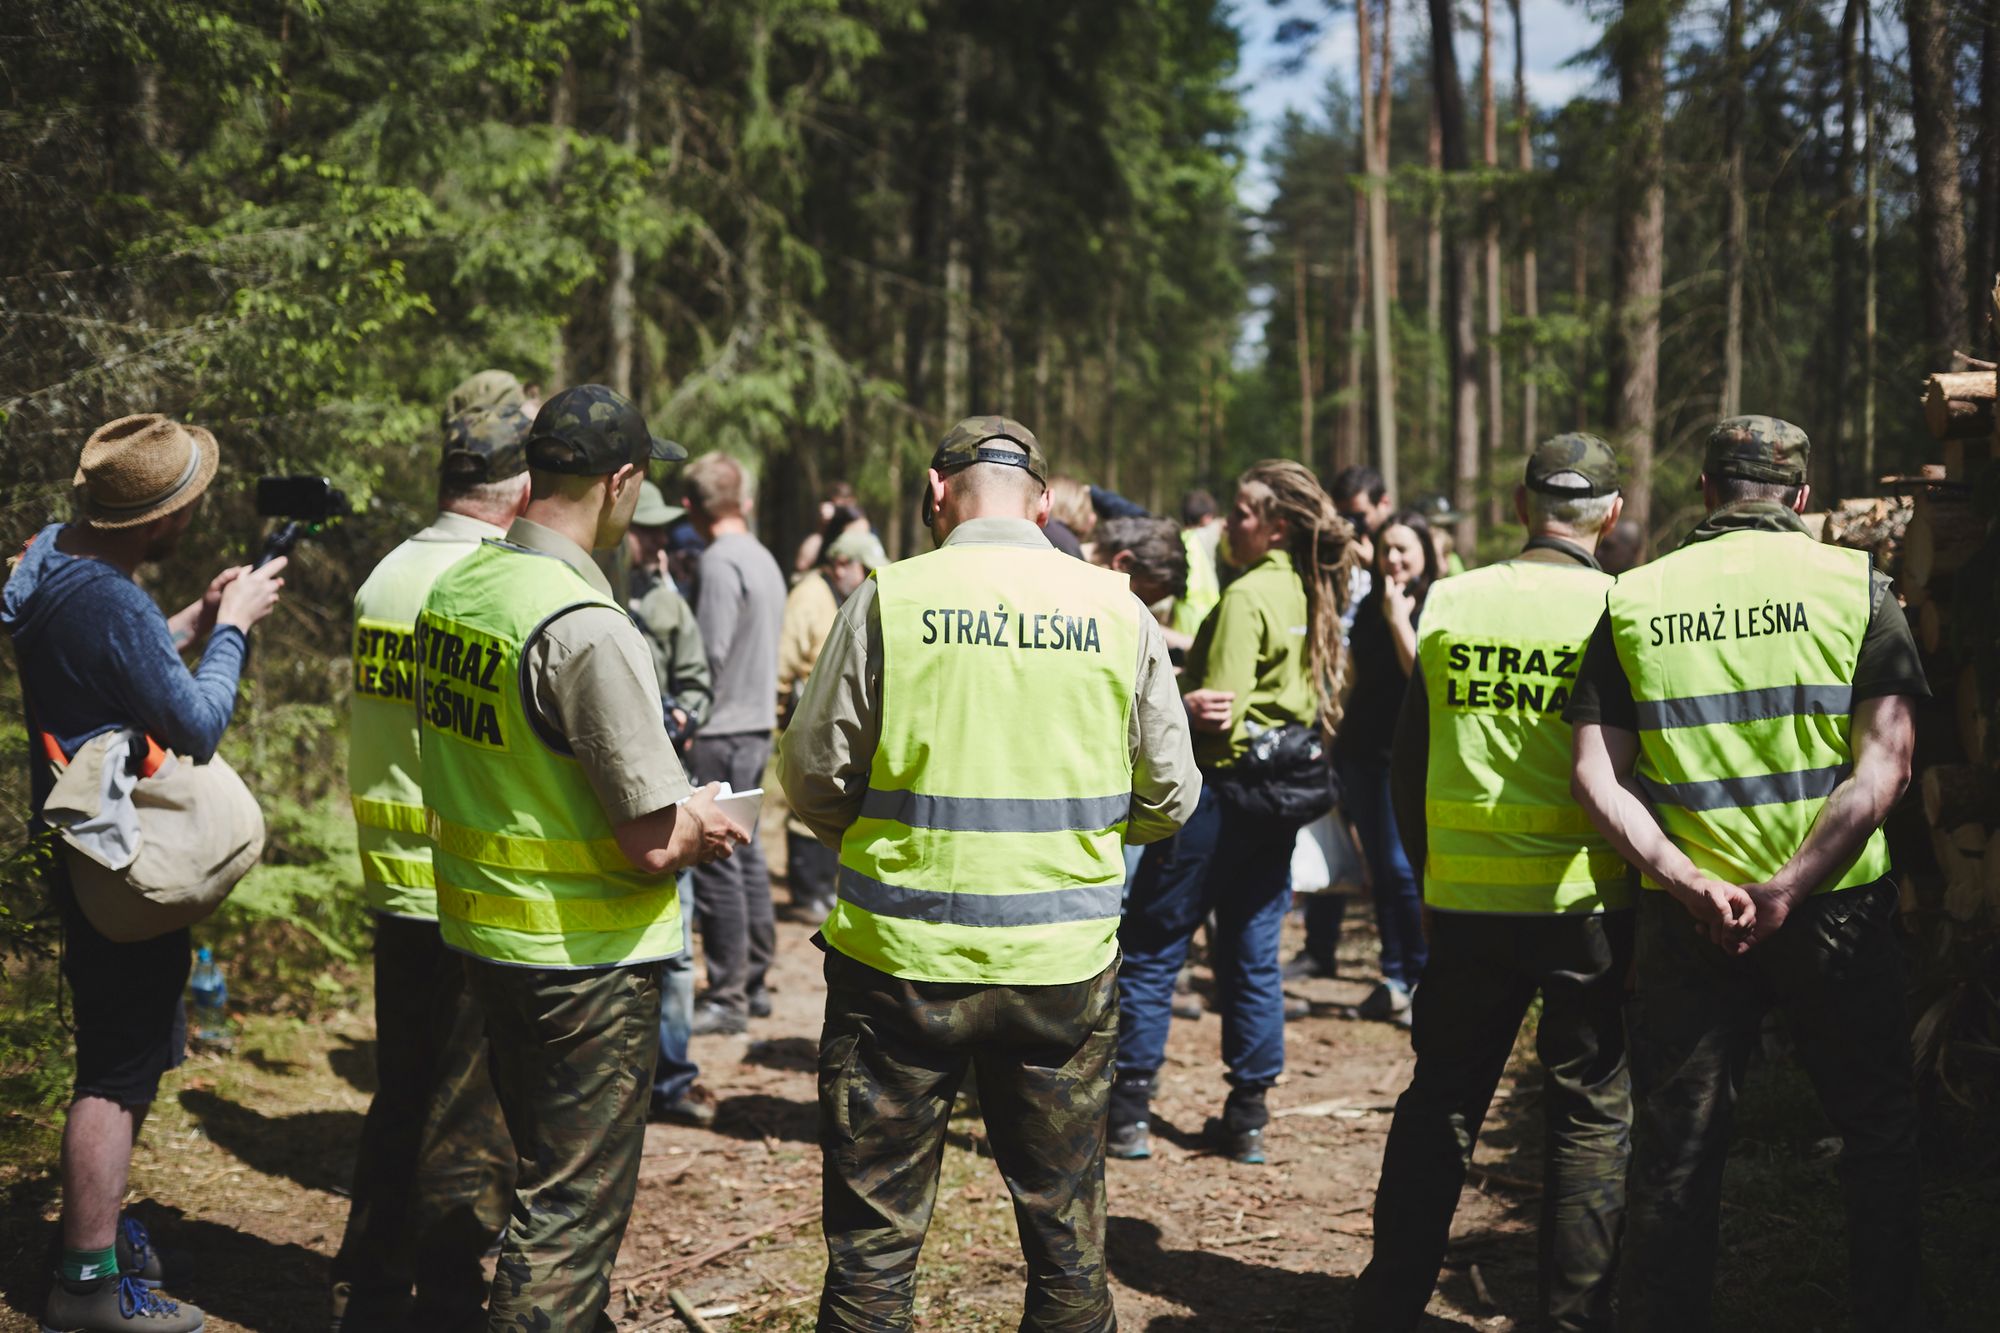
(354,1061)
(1219,1288)
(759,1115)
(794,1054)
(314,1148)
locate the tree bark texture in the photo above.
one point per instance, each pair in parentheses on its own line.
(1639,46)
(619,300)
(1730,402)
(957,273)
(1940,209)
(1489,209)
(1302,335)
(1464,277)
(1381,344)
(1531,305)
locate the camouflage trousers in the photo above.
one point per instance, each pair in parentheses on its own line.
(891,1058)
(435,1168)
(1835,971)
(1482,974)
(573,1055)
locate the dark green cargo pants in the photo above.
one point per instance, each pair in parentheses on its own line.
(1482,974)
(1836,973)
(435,1168)
(891,1058)
(573,1056)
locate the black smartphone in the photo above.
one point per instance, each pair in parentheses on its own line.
(309,499)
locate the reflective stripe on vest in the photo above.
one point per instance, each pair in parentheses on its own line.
(528,868)
(1741,651)
(990,846)
(1499,649)
(383,767)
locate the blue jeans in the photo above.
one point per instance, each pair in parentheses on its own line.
(1399,901)
(676,1073)
(1239,867)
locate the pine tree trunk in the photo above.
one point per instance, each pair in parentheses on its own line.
(1489,208)
(618,300)
(1639,42)
(1302,335)
(1464,276)
(1434,358)
(1940,216)
(1381,347)
(1843,260)
(1731,401)
(1531,303)
(562,121)
(957,274)
(1986,253)
(1871,226)
(1110,472)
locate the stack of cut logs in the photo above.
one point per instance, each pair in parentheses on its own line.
(1948,573)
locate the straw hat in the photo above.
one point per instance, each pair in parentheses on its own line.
(137,469)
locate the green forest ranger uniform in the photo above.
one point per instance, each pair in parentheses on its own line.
(1738,662)
(1524,897)
(435,1168)
(985,727)
(542,733)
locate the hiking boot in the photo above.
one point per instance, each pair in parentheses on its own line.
(1387,1003)
(716,1020)
(1305,967)
(136,1255)
(759,1003)
(1129,1132)
(1239,1145)
(115,1305)
(1296,1008)
(695,1107)
(1188,1006)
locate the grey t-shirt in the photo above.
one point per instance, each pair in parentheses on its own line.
(741,613)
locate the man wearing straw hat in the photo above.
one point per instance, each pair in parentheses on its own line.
(96,655)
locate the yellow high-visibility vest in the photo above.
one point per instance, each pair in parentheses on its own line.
(528,868)
(384,775)
(1741,650)
(1499,648)
(990,847)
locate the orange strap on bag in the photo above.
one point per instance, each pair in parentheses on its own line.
(156,754)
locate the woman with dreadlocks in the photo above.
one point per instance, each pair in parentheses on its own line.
(1262,684)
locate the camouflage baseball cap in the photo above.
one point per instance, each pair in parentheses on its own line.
(1757,449)
(486,444)
(489,388)
(590,430)
(1574,466)
(962,446)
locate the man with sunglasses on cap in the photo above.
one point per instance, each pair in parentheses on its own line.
(558,815)
(95,655)
(985,728)
(432,1175)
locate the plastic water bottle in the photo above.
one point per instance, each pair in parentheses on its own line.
(211,996)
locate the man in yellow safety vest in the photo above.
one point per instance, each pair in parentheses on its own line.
(1743,726)
(425,1206)
(1523,898)
(987,725)
(558,815)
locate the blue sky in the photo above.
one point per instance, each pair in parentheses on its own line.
(1557,30)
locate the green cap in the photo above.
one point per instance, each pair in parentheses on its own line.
(1575,466)
(590,430)
(1757,449)
(486,444)
(489,388)
(965,444)
(653,510)
(864,547)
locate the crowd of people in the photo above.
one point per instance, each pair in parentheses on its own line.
(1021,775)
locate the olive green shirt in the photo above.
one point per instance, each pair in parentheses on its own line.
(680,662)
(827,750)
(1255,645)
(588,677)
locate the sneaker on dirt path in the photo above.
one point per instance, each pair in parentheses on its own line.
(1188,1006)
(1387,1003)
(1304,967)
(759,1003)
(714,1020)
(115,1305)
(1240,1145)
(694,1107)
(1129,1142)
(136,1255)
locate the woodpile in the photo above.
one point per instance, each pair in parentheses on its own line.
(1947,568)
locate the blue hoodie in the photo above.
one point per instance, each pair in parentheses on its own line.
(95,654)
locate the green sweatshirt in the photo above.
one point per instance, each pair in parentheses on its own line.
(1255,645)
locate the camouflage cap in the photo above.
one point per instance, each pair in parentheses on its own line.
(590,430)
(653,510)
(1574,466)
(489,388)
(486,444)
(1757,449)
(961,446)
